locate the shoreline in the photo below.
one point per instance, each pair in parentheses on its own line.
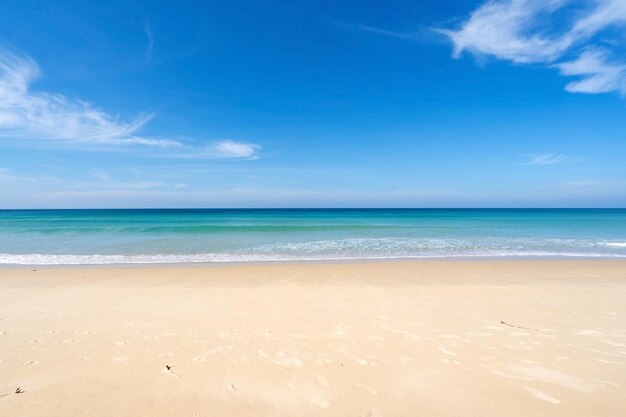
(338,261)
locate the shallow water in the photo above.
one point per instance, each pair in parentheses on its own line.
(205,235)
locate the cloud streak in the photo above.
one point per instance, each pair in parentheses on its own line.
(222,149)
(232,149)
(147,29)
(550,159)
(29,115)
(402,35)
(45,116)
(566,34)
(599,74)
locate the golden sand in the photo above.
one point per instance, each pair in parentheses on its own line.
(507,338)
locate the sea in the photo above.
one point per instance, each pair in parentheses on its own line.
(169,236)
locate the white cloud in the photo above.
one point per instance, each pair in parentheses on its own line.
(222,149)
(550,159)
(505,29)
(44,116)
(527,31)
(231,149)
(39,116)
(599,75)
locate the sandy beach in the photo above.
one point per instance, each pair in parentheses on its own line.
(481,338)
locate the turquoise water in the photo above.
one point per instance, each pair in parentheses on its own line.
(171,236)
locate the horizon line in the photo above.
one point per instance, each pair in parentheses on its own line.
(319,208)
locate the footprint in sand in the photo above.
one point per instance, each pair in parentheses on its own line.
(230,336)
(543,396)
(366,388)
(612,343)
(284,361)
(31,363)
(585,332)
(321,402)
(322,381)
(609,362)
(512,347)
(214,350)
(447,351)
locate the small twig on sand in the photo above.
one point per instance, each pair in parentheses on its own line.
(169,369)
(18,390)
(517,327)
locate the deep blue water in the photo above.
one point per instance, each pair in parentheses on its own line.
(207,235)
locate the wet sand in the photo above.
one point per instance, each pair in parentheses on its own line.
(480,338)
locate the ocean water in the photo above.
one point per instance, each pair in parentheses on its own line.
(66,237)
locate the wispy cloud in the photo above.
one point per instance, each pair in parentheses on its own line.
(523,31)
(550,159)
(600,75)
(7,177)
(41,116)
(505,29)
(232,149)
(147,29)
(221,149)
(592,183)
(396,34)
(38,115)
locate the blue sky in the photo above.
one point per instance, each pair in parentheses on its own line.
(313,104)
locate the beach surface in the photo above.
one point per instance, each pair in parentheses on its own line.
(428,338)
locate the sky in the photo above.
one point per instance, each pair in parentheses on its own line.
(454,103)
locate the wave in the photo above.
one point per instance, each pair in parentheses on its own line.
(198,229)
(347,249)
(211,258)
(616,244)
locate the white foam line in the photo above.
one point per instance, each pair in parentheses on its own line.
(45,259)
(615,244)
